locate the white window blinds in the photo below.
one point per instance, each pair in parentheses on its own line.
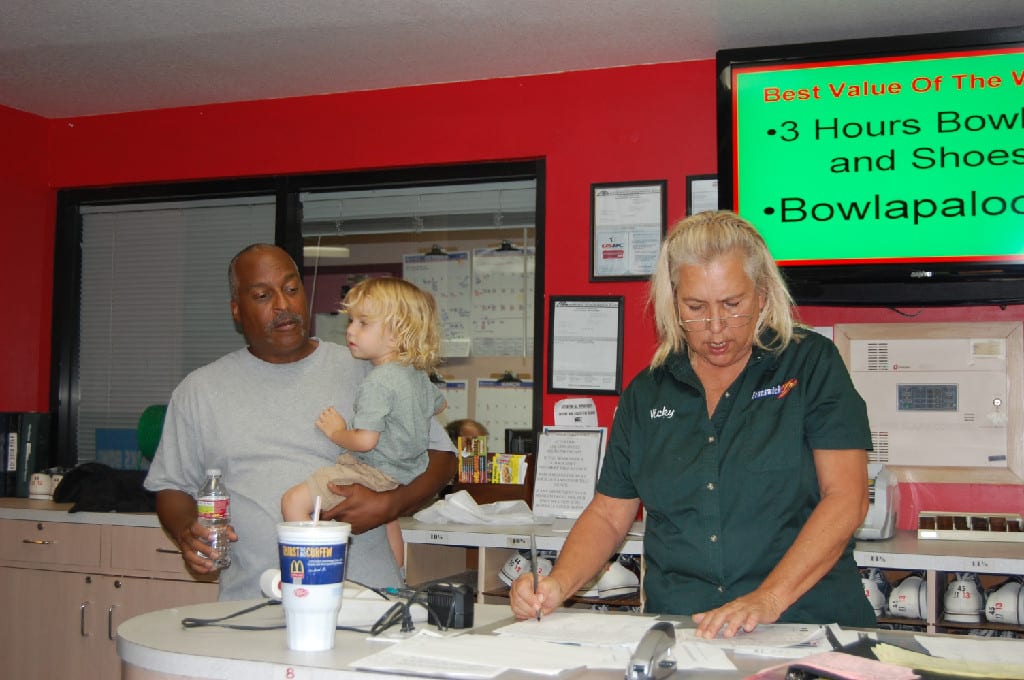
(155,302)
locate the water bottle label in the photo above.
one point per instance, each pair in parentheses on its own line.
(213,508)
(312,565)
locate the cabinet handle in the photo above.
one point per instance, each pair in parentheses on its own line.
(81,619)
(37,541)
(169,551)
(110,621)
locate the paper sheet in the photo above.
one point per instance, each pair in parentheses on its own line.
(767,639)
(585,628)
(839,665)
(485,656)
(697,655)
(1002,663)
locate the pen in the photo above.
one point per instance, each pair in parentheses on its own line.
(534,566)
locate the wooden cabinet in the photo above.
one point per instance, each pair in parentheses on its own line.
(68,586)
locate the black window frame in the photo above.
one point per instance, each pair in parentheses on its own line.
(64,388)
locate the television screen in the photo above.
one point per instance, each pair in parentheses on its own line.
(886,171)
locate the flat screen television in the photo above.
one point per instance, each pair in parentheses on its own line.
(883,171)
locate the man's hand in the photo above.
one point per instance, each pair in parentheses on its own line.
(177,512)
(362,508)
(194,543)
(365,509)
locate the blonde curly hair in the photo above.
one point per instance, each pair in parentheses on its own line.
(407,312)
(699,239)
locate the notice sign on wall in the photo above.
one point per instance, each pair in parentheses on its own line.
(567,464)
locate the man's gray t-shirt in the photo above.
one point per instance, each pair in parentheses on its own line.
(256,422)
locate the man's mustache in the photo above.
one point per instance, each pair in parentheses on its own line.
(282,318)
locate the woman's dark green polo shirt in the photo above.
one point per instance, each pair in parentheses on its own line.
(726,496)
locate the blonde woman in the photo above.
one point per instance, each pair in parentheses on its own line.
(745,441)
(394,325)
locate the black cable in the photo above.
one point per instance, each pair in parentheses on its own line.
(193,622)
(399,613)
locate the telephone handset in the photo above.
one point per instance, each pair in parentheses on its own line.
(653,659)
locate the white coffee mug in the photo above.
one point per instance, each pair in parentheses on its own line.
(39,486)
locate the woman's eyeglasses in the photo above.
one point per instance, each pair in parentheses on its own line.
(731,321)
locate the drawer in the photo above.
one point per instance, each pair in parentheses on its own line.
(140,550)
(50,544)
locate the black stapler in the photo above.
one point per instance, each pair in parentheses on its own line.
(653,659)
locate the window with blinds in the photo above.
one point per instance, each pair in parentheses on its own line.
(155,302)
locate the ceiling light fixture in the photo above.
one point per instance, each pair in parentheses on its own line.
(324,255)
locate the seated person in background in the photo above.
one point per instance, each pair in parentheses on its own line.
(745,441)
(394,325)
(466,428)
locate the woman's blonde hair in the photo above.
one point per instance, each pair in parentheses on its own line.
(407,312)
(699,239)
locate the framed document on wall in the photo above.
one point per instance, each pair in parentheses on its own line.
(701,193)
(585,344)
(627,222)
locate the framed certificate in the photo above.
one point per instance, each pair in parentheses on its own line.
(627,222)
(585,345)
(701,193)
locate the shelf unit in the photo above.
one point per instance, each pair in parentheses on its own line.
(938,560)
(437,551)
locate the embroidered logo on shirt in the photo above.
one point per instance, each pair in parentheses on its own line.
(663,412)
(777,391)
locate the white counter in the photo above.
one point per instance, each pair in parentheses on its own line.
(155,646)
(157,643)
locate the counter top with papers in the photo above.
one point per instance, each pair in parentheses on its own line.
(156,646)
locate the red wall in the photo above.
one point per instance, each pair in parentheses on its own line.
(640,122)
(632,123)
(26,260)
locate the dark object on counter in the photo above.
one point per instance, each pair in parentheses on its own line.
(95,487)
(450,605)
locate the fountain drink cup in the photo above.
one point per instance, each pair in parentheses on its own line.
(312,570)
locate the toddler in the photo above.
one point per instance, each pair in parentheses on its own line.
(394,325)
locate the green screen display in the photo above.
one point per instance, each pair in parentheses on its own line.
(902,159)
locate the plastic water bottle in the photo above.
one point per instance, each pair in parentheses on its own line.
(213,506)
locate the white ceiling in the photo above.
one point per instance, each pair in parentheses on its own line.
(81,57)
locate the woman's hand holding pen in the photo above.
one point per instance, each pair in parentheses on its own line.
(526,604)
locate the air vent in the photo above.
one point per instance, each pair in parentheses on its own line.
(878,356)
(880,444)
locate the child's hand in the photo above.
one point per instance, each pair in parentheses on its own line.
(330,423)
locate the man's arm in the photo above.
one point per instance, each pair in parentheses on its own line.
(177,513)
(365,509)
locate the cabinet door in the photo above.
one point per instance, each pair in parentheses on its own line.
(51,622)
(125,597)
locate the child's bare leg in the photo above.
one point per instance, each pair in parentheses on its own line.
(297,504)
(394,531)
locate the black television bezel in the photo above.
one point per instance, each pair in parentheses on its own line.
(923,284)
